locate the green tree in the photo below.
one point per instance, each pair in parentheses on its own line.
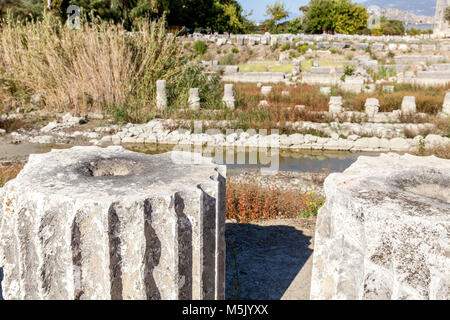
(317,16)
(275,13)
(348,17)
(228,16)
(22,9)
(447,14)
(389,27)
(217,15)
(295,26)
(342,16)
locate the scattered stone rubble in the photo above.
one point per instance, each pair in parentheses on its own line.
(345,136)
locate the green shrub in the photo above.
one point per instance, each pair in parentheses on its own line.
(235,50)
(285,47)
(229,59)
(302,49)
(200,47)
(349,70)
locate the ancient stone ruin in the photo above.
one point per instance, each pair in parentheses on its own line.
(93,223)
(228,97)
(194,99)
(161,94)
(441,26)
(383,231)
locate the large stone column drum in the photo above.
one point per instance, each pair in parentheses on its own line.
(93,223)
(383,231)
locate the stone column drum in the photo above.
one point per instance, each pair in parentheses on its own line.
(94,223)
(446,105)
(409,105)
(371,107)
(228,97)
(161,95)
(194,99)
(383,231)
(335,105)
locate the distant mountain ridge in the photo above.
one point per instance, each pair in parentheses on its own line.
(418,7)
(397,14)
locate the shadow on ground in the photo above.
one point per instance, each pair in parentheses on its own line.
(263,261)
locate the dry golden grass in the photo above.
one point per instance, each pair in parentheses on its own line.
(11,124)
(249,202)
(442,151)
(428,99)
(249,114)
(442,125)
(98,67)
(9,171)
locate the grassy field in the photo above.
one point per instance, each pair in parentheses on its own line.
(307,64)
(266,67)
(272,66)
(9,171)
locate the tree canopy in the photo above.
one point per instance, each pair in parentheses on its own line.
(216,15)
(275,13)
(341,16)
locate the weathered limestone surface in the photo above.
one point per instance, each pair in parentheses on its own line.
(228,96)
(93,223)
(441,26)
(161,94)
(409,105)
(194,99)
(383,231)
(372,106)
(335,105)
(265,77)
(446,105)
(266,90)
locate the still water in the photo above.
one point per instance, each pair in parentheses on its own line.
(234,159)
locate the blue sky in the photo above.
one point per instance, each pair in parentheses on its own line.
(259,7)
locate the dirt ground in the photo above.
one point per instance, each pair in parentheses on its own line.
(269,260)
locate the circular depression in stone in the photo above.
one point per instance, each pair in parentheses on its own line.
(108,167)
(426,183)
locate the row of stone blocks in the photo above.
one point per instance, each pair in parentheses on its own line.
(93,223)
(267,38)
(372,105)
(342,45)
(316,37)
(194,96)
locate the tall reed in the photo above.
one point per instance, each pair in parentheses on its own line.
(99,66)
